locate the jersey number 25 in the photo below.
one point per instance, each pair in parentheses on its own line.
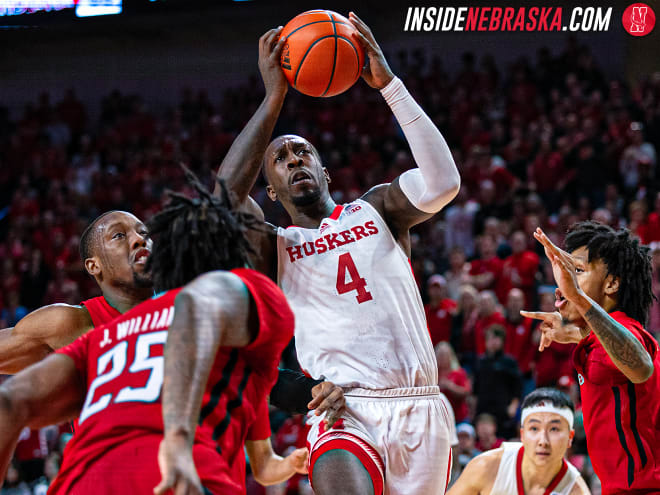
(143,361)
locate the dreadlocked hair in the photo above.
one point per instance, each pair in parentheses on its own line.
(196,235)
(624,257)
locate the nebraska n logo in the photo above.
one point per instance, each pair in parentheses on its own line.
(638,19)
(286,60)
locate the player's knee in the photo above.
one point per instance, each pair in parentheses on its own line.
(339,471)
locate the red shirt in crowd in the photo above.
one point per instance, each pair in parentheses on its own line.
(459,405)
(439,320)
(492,265)
(525,265)
(480,330)
(519,344)
(621,418)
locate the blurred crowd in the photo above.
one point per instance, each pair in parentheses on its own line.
(542,142)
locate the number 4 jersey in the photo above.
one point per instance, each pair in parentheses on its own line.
(359,316)
(114,449)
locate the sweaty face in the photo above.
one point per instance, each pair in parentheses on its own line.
(592,279)
(294,171)
(545,436)
(122,247)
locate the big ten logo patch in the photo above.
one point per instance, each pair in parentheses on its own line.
(353,209)
(638,19)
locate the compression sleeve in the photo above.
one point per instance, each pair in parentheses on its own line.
(293,391)
(436,181)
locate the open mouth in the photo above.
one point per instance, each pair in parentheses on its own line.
(299,177)
(560,300)
(141,256)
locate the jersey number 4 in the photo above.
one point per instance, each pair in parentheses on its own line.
(143,361)
(355,282)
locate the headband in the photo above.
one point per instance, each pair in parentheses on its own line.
(544,407)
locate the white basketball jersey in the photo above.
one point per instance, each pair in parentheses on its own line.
(359,317)
(508,473)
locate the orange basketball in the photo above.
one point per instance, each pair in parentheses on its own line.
(320,57)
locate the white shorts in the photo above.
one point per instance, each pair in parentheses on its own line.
(401,436)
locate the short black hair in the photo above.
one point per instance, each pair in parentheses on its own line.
(547,394)
(88,239)
(197,235)
(625,257)
(315,152)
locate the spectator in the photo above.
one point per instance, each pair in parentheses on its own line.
(458,272)
(453,381)
(459,218)
(463,324)
(520,343)
(637,164)
(466,445)
(439,309)
(497,383)
(13,311)
(489,314)
(487,438)
(519,270)
(486,270)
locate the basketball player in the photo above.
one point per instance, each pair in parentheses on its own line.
(603,299)
(535,465)
(111,377)
(345,271)
(114,249)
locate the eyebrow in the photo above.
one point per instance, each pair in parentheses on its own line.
(113,225)
(534,420)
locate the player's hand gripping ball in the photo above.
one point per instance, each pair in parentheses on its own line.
(320,56)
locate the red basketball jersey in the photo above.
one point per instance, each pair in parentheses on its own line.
(120,425)
(100,310)
(621,418)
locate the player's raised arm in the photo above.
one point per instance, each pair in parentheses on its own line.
(203,322)
(48,392)
(624,349)
(40,333)
(241,167)
(417,194)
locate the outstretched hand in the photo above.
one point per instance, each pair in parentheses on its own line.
(270,51)
(554,329)
(563,267)
(376,73)
(328,398)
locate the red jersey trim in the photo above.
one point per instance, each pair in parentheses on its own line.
(553,484)
(333,216)
(336,212)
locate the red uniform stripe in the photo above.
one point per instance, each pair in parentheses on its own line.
(366,454)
